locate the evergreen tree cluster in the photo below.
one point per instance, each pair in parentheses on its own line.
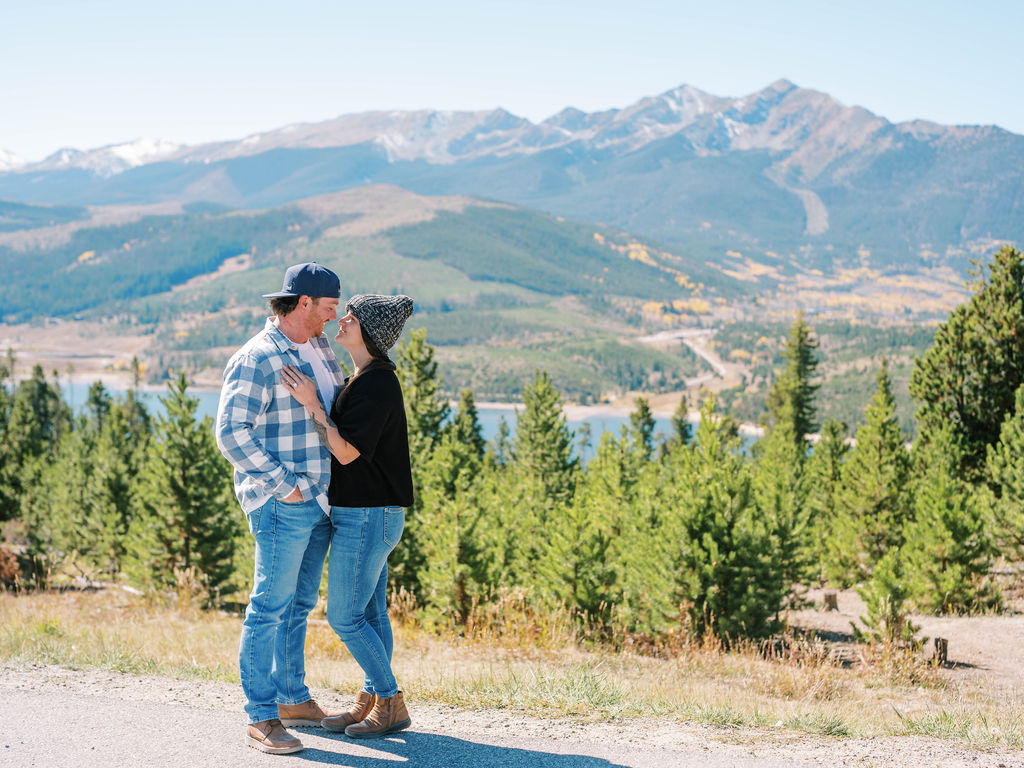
(113,494)
(695,530)
(657,534)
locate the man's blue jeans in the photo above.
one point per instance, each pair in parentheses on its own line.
(291,545)
(357,580)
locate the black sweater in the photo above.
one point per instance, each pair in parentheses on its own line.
(370,414)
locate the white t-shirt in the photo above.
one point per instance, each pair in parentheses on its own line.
(324,381)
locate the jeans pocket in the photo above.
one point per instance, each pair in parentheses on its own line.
(253,518)
(262,518)
(394,524)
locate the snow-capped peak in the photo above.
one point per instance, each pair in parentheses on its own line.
(109,160)
(142,150)
(10,161)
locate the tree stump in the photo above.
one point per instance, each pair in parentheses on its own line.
(941,651)
(831,601)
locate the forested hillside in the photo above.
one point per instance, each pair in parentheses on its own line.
(502,289)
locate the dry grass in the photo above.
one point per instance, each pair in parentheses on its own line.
(802,689)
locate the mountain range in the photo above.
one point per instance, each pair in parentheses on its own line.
(787,174)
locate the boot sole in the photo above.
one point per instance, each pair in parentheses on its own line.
(261,747)
(328,726)
(300,723)
(377,734)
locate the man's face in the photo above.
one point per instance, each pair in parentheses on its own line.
(320,312)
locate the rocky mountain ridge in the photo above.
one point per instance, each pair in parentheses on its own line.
(812,127)
(785,172)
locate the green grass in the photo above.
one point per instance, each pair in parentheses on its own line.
(580,689)
(964,725)
(822,723)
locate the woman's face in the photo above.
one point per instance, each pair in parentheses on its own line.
(349,334)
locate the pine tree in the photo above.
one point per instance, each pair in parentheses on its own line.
(518,507)
(499,452)
(949,548)
(589,545)
(641,429)
(444,532)
(726,570)
(1005,472)
(97,407)
(543,443)
(780,492)
(37,418)
(791,398)
(646,550)
(502,500)
(823,473)
(426,413)
(575,569)
(682,430)
(186,516)
(53,507)
(426,410)
(886,597)
(969,376)
(466,426)
(112,485)
(8,449)
(872,491)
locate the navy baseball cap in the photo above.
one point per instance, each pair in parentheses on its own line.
(310,279)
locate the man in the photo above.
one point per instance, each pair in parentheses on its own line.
(282,473)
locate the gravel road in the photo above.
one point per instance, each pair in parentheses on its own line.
(53,717)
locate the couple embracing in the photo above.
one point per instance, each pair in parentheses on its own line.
(321,462)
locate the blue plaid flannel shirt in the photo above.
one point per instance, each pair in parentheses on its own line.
(263,431)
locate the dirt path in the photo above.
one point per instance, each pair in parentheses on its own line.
(101,719)
(984,651)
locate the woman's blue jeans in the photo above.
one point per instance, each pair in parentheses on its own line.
(291,545)
(357,579)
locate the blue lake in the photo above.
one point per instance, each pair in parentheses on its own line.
(490,418)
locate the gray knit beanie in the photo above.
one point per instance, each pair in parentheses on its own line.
(381,317)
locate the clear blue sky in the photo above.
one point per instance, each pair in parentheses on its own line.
(89,73)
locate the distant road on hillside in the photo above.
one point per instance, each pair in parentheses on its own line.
(697,340)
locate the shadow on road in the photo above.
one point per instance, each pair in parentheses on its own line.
(429,750)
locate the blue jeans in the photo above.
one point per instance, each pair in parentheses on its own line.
(291,545)
(357,579)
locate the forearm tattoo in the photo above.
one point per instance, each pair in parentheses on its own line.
(321,426)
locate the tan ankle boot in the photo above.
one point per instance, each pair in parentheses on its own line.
(356,713)
(387,716)
(308,714)
(270,736)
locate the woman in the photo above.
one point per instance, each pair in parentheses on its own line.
(371,484)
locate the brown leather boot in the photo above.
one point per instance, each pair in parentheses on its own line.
(356,713)
(387,716)
(270,736)
(307,714)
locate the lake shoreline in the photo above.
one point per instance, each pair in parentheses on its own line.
(120,382)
